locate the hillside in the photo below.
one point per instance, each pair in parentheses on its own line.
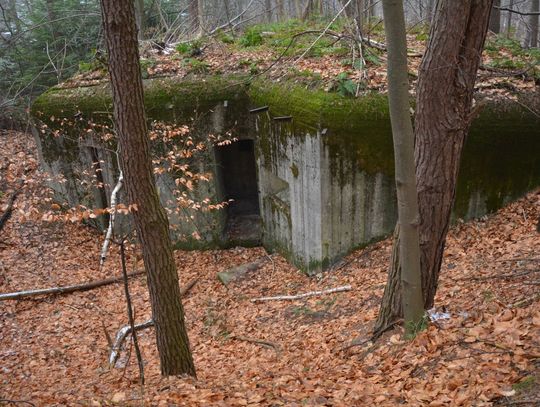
(54,351)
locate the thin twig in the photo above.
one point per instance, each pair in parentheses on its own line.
(130,313)
(323,32)
(304,295)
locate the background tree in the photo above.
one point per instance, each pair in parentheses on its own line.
(443,116)
(403,137)
(495,17)
(150,218)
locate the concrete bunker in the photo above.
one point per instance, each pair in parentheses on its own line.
(312,187)
(236,172)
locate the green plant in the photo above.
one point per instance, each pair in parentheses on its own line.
(524,384)
(415,329)
(224,37)
(252,37)
(196,66)
(189,48)
(344,85)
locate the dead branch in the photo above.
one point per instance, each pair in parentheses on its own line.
(519,259)
(502,275)
(65,289)
(7,214)
(130,313)
(521,13)
(127,329)
(108,236)
(8,401)
(525,301)
(323,32)
(266,344)
(304,295)
(121,335)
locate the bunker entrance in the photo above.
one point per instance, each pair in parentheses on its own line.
(238,181)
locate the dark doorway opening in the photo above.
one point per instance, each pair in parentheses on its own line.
(238,179)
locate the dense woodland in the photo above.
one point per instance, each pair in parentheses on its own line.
(443,312)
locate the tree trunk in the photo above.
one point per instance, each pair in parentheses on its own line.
(533,24)
(495,18)
(194,17)
(268,10)
(444,98)
(150,219)
(403,137)
(429,10)
(509,19)
(139,17)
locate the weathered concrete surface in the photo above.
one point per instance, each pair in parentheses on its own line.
(326,189)
(325,177)
(213,107)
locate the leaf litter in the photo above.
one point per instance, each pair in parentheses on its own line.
(54,350)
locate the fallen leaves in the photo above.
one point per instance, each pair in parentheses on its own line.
(54,350)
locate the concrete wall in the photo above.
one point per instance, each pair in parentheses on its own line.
(324,175)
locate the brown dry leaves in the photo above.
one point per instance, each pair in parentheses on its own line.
(218,58)
(53,350)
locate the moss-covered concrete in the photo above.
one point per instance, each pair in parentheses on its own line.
(167,99)
(325,175)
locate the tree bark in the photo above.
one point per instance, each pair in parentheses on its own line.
(403,137)
(509,19)
(444,98)
(194,17)
(139,17)
(150,219)
(533,24)
(495,17)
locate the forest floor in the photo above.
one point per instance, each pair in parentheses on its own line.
(54,351)
(297,52)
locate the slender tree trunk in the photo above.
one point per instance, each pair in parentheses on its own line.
(194,18)
(429,10)
(139,17)
(403,136)
(495,18)
(533,24)
(444,98)
(509,19)
(150,218)
(268,10)
(298,8)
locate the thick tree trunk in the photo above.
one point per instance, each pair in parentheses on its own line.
(150,218)
(495,17)
(444,98)
(403,137)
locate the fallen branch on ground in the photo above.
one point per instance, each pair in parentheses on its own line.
(7,214)
(502,276)
(266,344)
(65,289)
(305,295)
(126,329)
(525,301)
